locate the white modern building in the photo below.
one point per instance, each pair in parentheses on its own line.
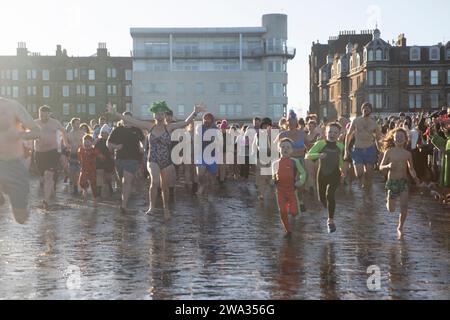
(238,73)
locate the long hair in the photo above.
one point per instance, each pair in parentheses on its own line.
(388,141)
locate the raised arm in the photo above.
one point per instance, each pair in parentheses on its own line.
(33,131)
(148,125)
(177,125)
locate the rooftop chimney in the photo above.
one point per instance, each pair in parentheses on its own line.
(401,41)
(22,50)
(102,51)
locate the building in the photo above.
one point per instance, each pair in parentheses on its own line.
(71,86)
(394,77)
(323,54)
(237,72)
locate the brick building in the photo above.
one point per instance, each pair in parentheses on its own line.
(394,77)
(71,86)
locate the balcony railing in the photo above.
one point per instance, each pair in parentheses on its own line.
(258,52)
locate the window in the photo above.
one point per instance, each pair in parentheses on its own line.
(78,108)
(222,110)
(370,55)
(180,110)
(324,94)
(448,76)
(75,73)
(91,109)
(448,53)
(415,100)
(66,109)
(15,91)
(275,66)
(434,99)
(69,75)
(8,74)
(199,88)
(65,91)
(128,75)
(128,91)
(111,90)
(46,91)
(15,75)
(324,75)
(434,53)
(31,90)
(276,89)
(415,77)
(111,73)
(414,54)
(180,88)
(378,77)
(434,78)
(81,90)
(230,87)
(128,107)
(370,78)
(379,55)
(255,109)
(31,74)
(376,99)
(255,88)
(91,75)
(448,99)
(45,75)
(91,91)
(276,111)
(83,108)
(154,88)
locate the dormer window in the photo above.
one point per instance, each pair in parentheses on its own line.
(339,67)
(434,53)
(379,55)
(324,75)
(448,53)
(414,54)
(370,55)
(358,60)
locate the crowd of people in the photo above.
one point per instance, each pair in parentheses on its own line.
(308,156)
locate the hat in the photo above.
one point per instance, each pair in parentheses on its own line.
(105,129)
(401,114)
(159,106)
(292,115)
(224,124)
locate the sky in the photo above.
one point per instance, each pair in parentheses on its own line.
(80,25)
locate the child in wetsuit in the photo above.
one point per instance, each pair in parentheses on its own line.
(397,160)
(288,175)
(87,155)
(331,169)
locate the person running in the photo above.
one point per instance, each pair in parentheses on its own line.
(397,160)
(297,135)
(46,146)
(75,139)
(263,149)
(365,153)
(126,140)
(14,180)
(288,174)
(206,172)
(88,155)
(331,169)
(160,144)
(105,165)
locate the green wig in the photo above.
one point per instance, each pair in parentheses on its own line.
(159,106)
